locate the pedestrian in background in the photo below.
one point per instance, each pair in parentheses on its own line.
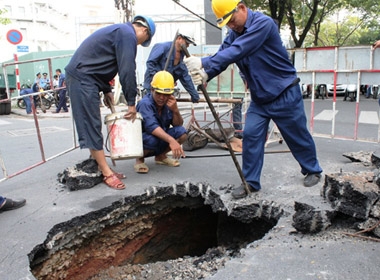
(61,92)
(108,51)
(44,81)
(255,45)
(29,101)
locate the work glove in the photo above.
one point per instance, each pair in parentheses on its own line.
(193,63)
(199,77)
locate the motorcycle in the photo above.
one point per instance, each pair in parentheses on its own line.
(375,91)
(372,90)
(47,99)
(351,92)
(55,100)
(305,90)
(321,91)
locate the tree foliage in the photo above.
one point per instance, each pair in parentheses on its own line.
(4,20)
(306,19)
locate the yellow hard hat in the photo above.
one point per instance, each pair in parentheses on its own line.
(223,10)
(163,82)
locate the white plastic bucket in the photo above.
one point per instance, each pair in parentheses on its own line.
(124,136)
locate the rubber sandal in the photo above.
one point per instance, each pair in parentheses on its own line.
(113,182)
(141,168)
(118,175)
(168,162)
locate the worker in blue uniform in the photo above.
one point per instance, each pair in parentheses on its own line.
(108,51)
(157,60)
(163,129)
(255,45)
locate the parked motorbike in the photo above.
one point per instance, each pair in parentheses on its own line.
(305,90)
(321,91)
(47,99)
(55,100)
(375,91)
(372,91)
(351,92)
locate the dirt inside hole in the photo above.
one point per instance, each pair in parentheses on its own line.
(142,231)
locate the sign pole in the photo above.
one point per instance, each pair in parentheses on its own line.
(17,74)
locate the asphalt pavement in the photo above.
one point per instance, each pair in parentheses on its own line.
(280,254)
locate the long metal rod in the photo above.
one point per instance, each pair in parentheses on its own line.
(171,50)
(225,138)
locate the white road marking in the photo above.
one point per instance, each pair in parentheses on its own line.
(370,117)
(4,122)
(325,115)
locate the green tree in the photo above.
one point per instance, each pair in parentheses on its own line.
(306,17)
(4,20)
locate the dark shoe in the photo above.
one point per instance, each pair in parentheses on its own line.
(238,136)
(240,192)
(55,112)
(311,179)
(12,204)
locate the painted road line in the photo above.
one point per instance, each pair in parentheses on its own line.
(369,117)
(4,122)
(325,115)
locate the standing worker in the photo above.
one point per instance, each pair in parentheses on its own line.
(157,61)
(254,44)
(108,51)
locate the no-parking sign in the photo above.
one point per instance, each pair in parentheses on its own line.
(14,36)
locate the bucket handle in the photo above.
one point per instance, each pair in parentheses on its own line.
(108,135)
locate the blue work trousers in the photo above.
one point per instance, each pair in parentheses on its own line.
(153,143)
(287,111)
(62,101)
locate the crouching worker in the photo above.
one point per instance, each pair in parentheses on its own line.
(163,129)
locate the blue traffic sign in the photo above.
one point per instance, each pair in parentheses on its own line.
(22,48)
(14,36)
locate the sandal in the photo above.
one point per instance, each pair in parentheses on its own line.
(118,175)
(169,162)
(113,182)
(141,168)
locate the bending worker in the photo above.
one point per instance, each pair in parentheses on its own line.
(163,129)
(254,44)
(157,60)
(106,52)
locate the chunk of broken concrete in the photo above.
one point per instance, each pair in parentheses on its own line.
(351,193)
(83,175)
(370,225)
(308,219)
(363,157)
(375,158)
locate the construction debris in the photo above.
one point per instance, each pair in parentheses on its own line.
(83,175)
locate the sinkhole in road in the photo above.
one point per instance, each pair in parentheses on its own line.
(162,224)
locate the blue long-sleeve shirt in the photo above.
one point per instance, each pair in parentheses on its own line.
(260,56)
(151,119)
(108,51)
(156,62)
